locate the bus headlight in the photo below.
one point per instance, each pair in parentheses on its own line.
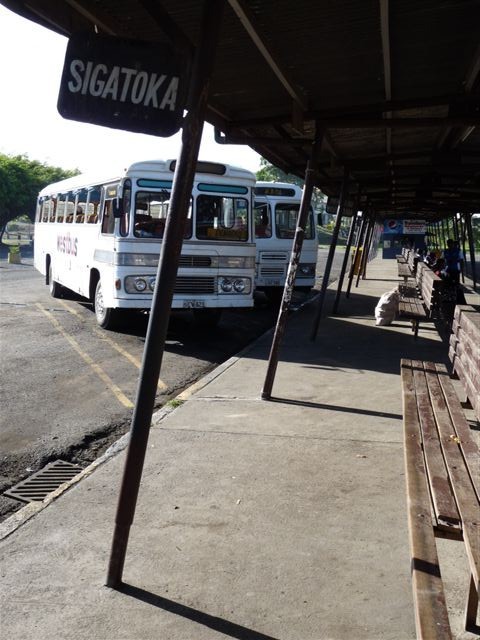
(306,270)
(136,284)
(151,283)
(140,284)
(239,285)
(226,285)
(234,285)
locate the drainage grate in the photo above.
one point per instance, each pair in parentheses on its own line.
(37,487)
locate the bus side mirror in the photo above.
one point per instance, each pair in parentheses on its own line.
(117,208)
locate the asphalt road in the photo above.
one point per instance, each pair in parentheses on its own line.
(68,387)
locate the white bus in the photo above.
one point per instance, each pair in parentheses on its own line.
(100,237)
(275,215)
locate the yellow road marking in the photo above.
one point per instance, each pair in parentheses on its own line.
(118,393)
(135,361)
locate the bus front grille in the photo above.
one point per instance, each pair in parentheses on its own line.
(272,272)
(195,261)
(193,285)
(274,256)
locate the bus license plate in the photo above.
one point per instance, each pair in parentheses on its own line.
(193,304)
(272,282)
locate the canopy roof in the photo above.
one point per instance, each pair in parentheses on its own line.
(393,85)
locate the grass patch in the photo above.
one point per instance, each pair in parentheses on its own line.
(174,403)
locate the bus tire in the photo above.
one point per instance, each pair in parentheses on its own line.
(54,287)
(107,318)
(207,318)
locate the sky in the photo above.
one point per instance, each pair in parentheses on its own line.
(31,63)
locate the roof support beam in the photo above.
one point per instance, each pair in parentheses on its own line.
(248,20)
(470,80)
(385,29)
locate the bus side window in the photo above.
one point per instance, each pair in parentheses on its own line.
(126,204)
(263,228)
(53,210)
(45,210)
(108,221)
(69,211)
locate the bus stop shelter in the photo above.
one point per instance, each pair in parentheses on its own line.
(375,103)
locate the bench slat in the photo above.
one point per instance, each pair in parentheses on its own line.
(468,446)
(431,617)
(466,498)
(444,505)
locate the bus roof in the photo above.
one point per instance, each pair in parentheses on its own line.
(143,167)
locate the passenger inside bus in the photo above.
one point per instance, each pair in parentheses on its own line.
(262,223)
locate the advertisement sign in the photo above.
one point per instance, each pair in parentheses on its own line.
(124,84)
(405,227)
(415,227)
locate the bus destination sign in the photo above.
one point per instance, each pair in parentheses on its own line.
(123,84)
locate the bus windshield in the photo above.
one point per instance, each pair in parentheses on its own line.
(151,210)
(286,221)
(222,218)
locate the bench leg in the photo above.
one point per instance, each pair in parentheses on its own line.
(415,324)
(472,607)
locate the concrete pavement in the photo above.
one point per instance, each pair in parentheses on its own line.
(256,520)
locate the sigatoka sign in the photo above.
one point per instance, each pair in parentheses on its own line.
(124,84)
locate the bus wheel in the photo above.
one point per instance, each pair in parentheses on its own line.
(207,318)
(106,316)
(54,287)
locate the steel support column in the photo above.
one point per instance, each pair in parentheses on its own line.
(331,253)
(351,234)
(471,246)
(364,252)
(165,283)
(292,267)
(357,249)
(463,234)
(368,247)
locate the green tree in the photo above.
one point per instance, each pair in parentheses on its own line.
(20,181)
(270,173)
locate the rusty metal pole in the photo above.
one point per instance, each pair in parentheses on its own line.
(368,248)
(357,249)
(365,240)
(292,267)
(331,253)
(345,260)
(471,246)
(458,238)
(165,283)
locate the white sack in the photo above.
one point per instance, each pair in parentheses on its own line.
(387,308)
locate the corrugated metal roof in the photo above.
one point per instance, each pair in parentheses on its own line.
(352,65)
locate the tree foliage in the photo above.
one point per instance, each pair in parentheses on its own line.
(269,173)
(20,181)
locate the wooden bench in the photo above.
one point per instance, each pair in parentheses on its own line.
(402,257)
(442,464)
(407,265)
(464,352)
(422,301)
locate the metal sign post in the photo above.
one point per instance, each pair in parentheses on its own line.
(165,283)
